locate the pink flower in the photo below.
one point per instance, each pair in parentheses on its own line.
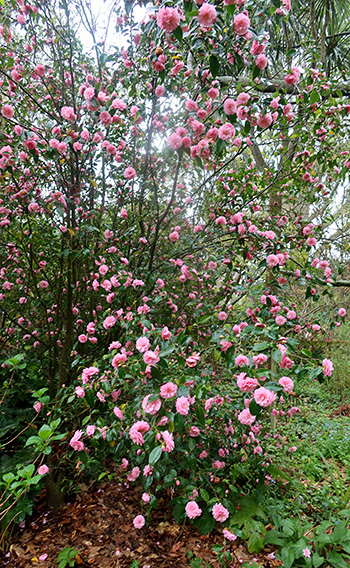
(68,113)
(246,384)
(230,106)
(293,77)
(264,397)
(287,384)
(75,441)
(80,392)
(342,312)
(118,359)
(38,406)
(168,19)
(166,334)
(192,360)
(82,338)
(142,344)
(280,320)
(168,390)
(306,553)
(129,173)
(109,322)
(151,358)
(169,441)
(246,418)
(226,131)
(137,430)
(182,405)
(118,413)
(7,111)
(174,236)
(261,61)
(151,407)
(134,474)
(241,23)
(220,513)
(193,510)
(146,497)
(174,142)
(264,120)
(90,430)
(139,522)
(43,469)
(207,15)
(43,284)
(241,360)
(222,316)
(229,535)
(327,367)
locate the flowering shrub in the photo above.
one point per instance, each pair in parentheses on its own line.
(155,261)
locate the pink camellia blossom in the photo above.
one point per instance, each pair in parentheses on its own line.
(327,367)
(38,406)
(142,344)
(280,320)
(43,469)
(193,510)
(182,405)
(261,61)
(241,23)
(137,430)
(293,77)
(259,359)
(82,338)
(168,390)
(229,535)
(80,392)
(207,15)
(246,384)
(221,221)
(146,497)
(169,441)
(226,131)
(222,316)
(90,430)
(264,120)
(241,360)
(264,397)
(220,513)
(118,359)
(230,107)
(174,236)
(43,284)
(129,173)
(287,384)
(245,417)
(192,360)
(168,19)
(174,142)
(151,358)
(139,522)
(160,91)
(7,111)
(151,407)
(109,322)
(75,441)
(342,312)
(166,334)
(68,113)
(118,413)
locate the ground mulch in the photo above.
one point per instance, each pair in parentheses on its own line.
(98,524)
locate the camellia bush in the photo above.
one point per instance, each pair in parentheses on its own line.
(162,261)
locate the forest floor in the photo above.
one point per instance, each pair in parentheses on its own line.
(98,524)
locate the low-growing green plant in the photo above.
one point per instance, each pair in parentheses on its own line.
(67,557)
(301,544)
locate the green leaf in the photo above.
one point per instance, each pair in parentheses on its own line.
(214,66)
(254,408)
(277,356)
(178,33)
(200,415)
(273,537)
(340,533)
(219,147)
(155,455)
(255,542)
(166,351)
(33,440)
(315,373)
(205,523)
(336,560)
(204,494)
(306,352)
(261,346)
(314,97)
(287,556)
(278,474)
(317,560)
(179,511)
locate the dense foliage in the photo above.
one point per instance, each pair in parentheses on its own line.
(165,252)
